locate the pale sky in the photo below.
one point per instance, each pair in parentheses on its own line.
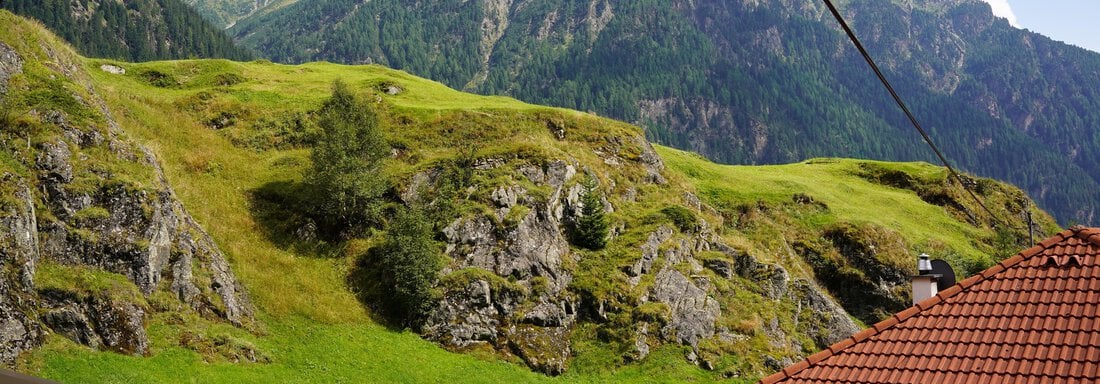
(1075,22)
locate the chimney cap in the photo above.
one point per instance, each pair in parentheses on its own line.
(924,265)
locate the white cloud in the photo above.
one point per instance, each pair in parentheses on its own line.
(1002,9)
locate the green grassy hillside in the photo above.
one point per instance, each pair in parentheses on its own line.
(314,328)
(844,186)
(229,134)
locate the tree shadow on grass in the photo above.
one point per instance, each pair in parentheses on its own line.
(366,282)
(281,208)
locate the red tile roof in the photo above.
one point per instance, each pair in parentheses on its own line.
(1030,319)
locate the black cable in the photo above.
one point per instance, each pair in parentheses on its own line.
(912,119)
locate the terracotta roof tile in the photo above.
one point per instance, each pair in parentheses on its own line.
(864,334)
(1032,318)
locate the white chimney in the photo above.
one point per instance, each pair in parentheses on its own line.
(924,283)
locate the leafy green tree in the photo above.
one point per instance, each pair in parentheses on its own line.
(409,263)
(346,162)
(590,229)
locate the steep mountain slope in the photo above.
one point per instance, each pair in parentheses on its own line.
(138,30)
(709,272)
(749,82)
(94,239)
(225,13)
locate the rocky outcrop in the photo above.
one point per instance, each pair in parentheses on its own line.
(98,321)
(10,64)
(18,256)
(649,254)
(722,268)
(854,266)
(183,247)
(693,311)
(112,69)
(532,248)
(816,314)
(772,279)
(18,245)
(86,200)
(142,233)
(528,312)
(825,321)
(471,316)
(651,161)
(545,349)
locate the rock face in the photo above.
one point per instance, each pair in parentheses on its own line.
(142,233)
(18,256)
(97,321)
(531,315)
(649,254)
(693,311)
(18,246)
(10,64)
(878,289)
(470,316)
(512,286)
(827,323)
(145,235)
(85,200)
(534,324)
(773,279)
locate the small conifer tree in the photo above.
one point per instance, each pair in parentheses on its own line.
(590,230)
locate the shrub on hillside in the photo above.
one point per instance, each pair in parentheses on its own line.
(346,163)
(683,218)
(408,262)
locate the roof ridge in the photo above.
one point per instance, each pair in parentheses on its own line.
(1090,234)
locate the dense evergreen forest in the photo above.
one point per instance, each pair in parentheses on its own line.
(749,82)
(137,30)
(225,13)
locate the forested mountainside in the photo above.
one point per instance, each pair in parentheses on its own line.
(132,30)
(230,222)
(225,13)
(749,82)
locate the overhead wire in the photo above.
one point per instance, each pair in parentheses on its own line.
(912,118)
